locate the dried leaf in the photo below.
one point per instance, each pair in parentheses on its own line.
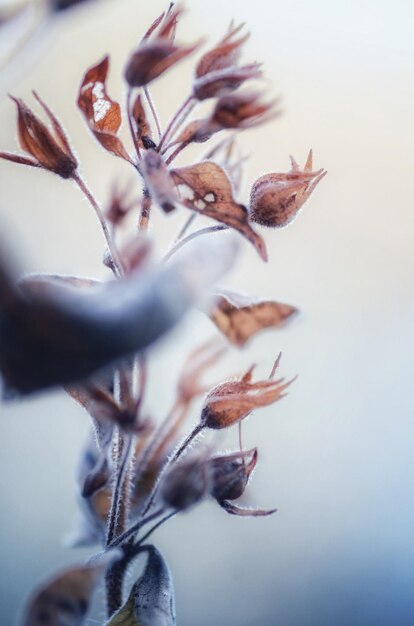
(151,601)
(211,195)
(102,114)
(65,599)
(158,181)
(240,318)
(61,337)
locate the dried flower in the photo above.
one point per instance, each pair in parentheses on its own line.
(219,82)
(240,110)
(50,151)
(276,199)
(230,402)
(156,55)
(225,54)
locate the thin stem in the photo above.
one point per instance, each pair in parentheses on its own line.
(193,434)
(176,120)
(176,152)
(145,212)
(186,226)
(153,111)
(130,123)
(154,528)
(198,233)
(135,528)
(143,376)
(123,451)
(94,203)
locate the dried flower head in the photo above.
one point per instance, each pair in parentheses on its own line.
(231,402)
(49,150)
(186,483)
(219,82)
(225,53)
(276,199)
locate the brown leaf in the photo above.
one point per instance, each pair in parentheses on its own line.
(102,114)
(158,181)
(65,598)
(240,318)
(211,195)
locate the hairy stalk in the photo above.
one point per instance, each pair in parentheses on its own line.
(176,152)
(177,119)
(154,528)
(145,212)
(186,226)
(135,528)
(98,211)
(130,123)
(187,441)
(153,111)
(198,233)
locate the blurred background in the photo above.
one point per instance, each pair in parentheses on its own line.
(336,455)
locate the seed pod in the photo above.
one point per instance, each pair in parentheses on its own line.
(219,82)
(231,473)
(186,484)
(276,199)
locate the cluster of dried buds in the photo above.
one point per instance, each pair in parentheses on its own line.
(93,338)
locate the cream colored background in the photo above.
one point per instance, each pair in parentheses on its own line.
(336,456)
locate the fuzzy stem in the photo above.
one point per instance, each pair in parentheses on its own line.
(145,212)
(153,111)
(202,231)
(135,528)
(151,498)
(176,120)
(131,125)
(93,202)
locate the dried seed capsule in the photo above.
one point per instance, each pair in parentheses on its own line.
(231,473)
(276,199)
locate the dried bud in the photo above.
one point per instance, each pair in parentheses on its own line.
(186,484)
(119,206)
(143,130)
(219,82)
(49,150)
(231,473)
(231,402)
(242,110)
(158,181)
(152,58)
(224,54)
(275,199)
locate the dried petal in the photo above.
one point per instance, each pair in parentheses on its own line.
(228,403)
(276,199)
(240,318)
(211,195)
(65,598)
(220,82)
(102,114)
(233,509)
(158,181)
(203,357)
(151,601)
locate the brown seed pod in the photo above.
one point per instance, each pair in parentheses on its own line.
(276,199)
